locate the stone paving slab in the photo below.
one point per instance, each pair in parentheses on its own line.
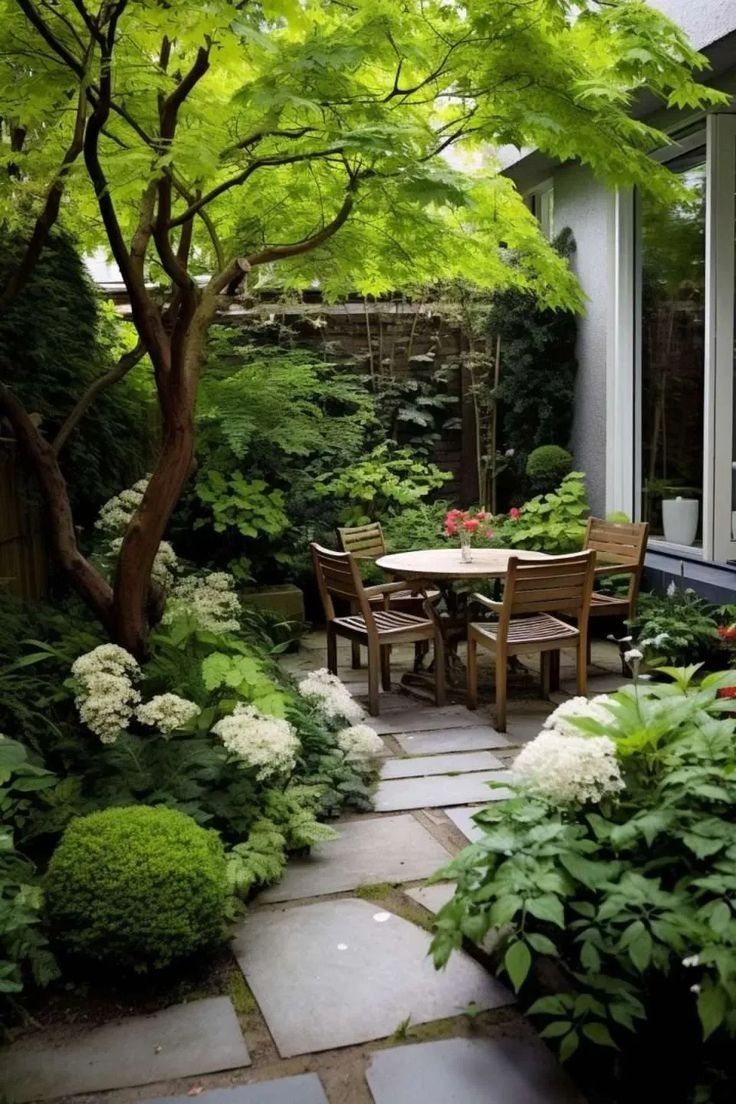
(341,972)
(374,849)
(432,897)
(185,1040)
(303,1089)
(436,790)
(426,719)
(463,819)
(469,1071)
(446,741)
(423,765)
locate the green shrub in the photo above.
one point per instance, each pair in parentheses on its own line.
(381,484)
(547,466)
(552,523)
(630,892)
(676,629)
(136,888)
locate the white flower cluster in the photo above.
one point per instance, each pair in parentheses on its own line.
(165,564)
(570,768)
(210,599)
(359,742)
(167,712)
(267,743)
(327,693)
(106,697)
(114,517)
(594,709)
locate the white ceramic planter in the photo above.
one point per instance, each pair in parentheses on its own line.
(680,519)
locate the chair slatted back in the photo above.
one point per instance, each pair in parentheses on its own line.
(560,584)
(365,542)
(338,576)
(619,544)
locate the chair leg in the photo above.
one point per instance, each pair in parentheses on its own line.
(355,655)
(472,668)
(501,674)
(420,650)
(386,666)
(554,670)
(331,650)
(582,665)
(440,669)
(545,670)
(374,668)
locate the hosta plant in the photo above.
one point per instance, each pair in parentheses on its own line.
(620,868)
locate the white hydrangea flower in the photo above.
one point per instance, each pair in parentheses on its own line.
(593,709)
(268,744)
(327,693)
(210,599)
(360,742)
(672,589)
(107,658)
(106,697)
(167,712)
(115,516)
(570,768)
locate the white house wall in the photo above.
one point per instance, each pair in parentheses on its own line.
(584,206)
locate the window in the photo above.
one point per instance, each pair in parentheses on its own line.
(672,338)
(541,202)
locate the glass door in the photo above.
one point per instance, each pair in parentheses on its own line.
(719,519)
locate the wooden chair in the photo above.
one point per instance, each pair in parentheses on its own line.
(534,591)
(367,542)
(338,576)
(620,550)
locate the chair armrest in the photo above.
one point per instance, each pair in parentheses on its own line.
(495,606)
(389,588)
(617,569)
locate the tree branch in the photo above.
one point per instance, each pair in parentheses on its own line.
(126,363)
(235,181)
(234,274)
(43,462)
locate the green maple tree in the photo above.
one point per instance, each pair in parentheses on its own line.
(211,144)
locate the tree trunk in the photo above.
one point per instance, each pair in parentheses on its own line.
(134,605)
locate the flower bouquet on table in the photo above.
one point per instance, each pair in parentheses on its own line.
(466,524)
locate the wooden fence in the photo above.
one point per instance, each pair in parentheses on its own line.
(24,556)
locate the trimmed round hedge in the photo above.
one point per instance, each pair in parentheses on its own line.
(547,466)
(136,888)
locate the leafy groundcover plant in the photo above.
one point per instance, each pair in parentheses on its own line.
(610,879)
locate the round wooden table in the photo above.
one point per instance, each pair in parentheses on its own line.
(437,564)
(444,568)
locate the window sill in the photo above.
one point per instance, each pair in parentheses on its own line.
(683,551)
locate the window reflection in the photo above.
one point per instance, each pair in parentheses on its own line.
(672,357)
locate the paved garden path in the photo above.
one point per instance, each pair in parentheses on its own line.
(338,1002)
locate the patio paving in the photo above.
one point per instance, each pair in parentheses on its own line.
(445,741)
(424,765)
(433,897)
(303,1089)
(376,849)
(463,819)
(469,1071)
(438,790)
(365,969)
(182,1041)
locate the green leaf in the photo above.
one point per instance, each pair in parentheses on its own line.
(640,950)
(517,963)
(712,1008)
(548,908)
(569,1045)
(598,1033)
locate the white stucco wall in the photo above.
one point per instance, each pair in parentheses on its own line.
(704,21)
(584,206)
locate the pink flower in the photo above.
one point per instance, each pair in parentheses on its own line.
(514,513)
(470,524)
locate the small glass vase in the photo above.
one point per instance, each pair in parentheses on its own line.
(466,546)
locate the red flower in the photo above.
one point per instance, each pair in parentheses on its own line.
(470,524)
(727,632)
(514,513)
(727,692)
